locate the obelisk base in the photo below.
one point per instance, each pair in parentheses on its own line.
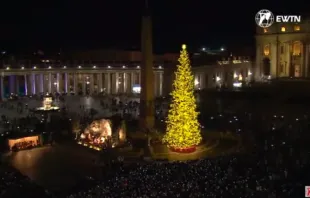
(147,122)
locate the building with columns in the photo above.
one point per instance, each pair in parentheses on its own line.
(227,72)
(81,80)
(83,77)
(92,75)
(282,50)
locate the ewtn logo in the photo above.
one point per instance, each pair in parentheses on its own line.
(265,18)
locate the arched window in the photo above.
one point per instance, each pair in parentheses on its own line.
(296,48)
(296,28)
(267,50)
(283,29)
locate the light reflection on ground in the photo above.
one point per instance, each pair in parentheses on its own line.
(57,168)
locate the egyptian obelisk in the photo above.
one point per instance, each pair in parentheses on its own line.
(147,77)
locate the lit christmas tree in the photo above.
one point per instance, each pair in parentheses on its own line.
(183,129)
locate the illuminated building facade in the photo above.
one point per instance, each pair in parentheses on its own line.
(228,72)
(282,50)
(81,77)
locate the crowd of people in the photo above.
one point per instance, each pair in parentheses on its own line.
(14,184)
(275,163)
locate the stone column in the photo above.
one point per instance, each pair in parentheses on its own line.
(117,82)
(258,67)
(108,83)
(2,87)
(38,83)
(307,60)
(99,82)
(26,84)
(147,105)
(160,83)
(287,58)
(61,83)
(125,79)
(74,83)
(33,83)
(66,83)
(132,79)
(202,80)
(274,59)
(211,81)
(196,81)
(155,81)
(50,83)
(302,65)
(57,83)
(42,83)
(12,84)
(113,83)
(91,84)
(84,84)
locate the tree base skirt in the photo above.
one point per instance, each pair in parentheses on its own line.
(183,150)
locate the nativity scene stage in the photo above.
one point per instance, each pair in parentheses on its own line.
(98,135)
(48,105)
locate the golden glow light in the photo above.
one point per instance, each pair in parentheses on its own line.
(235,75)
(47,104)
(283,29)
(183,129)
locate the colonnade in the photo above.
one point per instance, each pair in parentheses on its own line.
(206,77)
(82,82)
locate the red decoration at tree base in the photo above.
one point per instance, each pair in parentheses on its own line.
(183,150)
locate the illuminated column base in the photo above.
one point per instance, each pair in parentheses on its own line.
(66,83)
(161,84)
(33,83)
(26,84)
(58,83)
(132,83)
(117,82)
(108,83)
(49,83)
(99,83)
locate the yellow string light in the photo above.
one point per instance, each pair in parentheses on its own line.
(183,128)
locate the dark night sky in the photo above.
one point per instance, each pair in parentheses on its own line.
(97,24)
